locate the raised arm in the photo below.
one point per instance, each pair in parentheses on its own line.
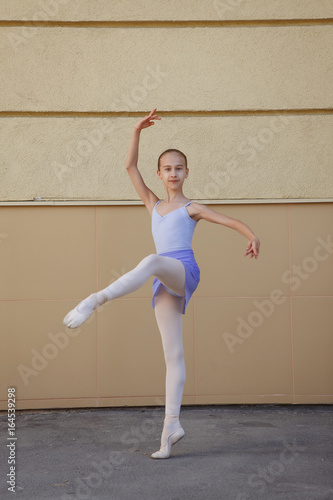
(146,195)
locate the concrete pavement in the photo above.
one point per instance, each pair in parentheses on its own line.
(237,452)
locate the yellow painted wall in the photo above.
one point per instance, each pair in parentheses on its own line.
(249,103)
(244,88)
(230,157)
(152,10)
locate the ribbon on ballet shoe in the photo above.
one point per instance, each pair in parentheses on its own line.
(164,451)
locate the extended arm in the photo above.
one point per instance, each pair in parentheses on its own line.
(146,195)
(206,213)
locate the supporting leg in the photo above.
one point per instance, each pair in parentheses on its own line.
(169,319)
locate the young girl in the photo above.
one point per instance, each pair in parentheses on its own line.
(176,273)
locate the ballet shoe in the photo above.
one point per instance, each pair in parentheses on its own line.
(75,317)
(173,438)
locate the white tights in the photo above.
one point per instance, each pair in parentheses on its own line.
(169,319)
(171,273)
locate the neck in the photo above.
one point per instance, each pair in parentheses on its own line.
(174,196)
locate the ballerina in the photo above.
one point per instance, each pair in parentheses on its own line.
(174,268)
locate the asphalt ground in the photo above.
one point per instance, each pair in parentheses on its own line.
(236,452)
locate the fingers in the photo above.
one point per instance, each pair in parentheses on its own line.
(147,121)
(252,251)
(255,253)
(151,113)
(153,116)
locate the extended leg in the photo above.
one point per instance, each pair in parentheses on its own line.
(169,319)
(169,271)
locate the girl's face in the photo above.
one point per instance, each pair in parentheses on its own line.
(173,170)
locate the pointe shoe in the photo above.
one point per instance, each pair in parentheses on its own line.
(164,451)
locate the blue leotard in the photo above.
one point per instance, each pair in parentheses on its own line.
(173,234)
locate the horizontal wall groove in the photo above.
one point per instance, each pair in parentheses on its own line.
(168,23)
(182,113)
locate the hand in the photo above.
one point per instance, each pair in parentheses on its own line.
(253,248)
(147,121)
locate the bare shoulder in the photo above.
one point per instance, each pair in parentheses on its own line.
(195,210)
(199,211)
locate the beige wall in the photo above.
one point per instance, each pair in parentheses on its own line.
(245,89)
(53,257)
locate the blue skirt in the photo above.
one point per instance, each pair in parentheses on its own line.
(192,275)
